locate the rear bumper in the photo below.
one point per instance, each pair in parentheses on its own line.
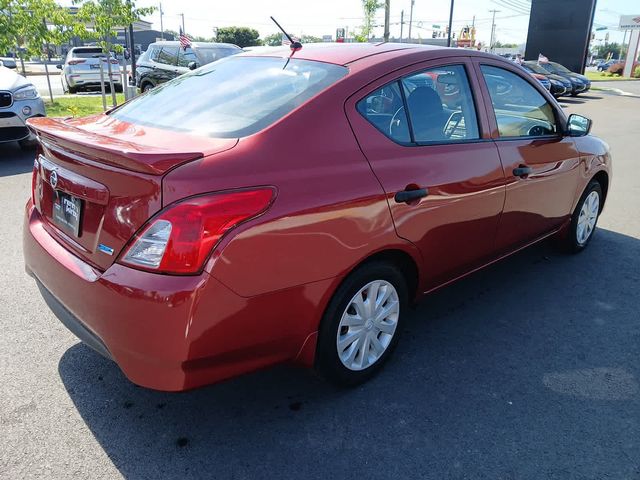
(165,332)
(91,79)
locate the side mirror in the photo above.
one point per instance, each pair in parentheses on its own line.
(192,65)
(578,126)
(59,67)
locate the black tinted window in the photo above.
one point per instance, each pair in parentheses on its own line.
(153,53)
(186,56)
(234,97)
(440,105)
(384,109)
(209,55)
(86,53)
(168,56)
(521,111)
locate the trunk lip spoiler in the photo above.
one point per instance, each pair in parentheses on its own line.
(112,151)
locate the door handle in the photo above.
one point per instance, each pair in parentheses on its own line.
(522,171)
(406,196)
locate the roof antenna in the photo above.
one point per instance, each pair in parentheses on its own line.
(295,44)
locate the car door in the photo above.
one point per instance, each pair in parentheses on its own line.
(540,163)
(430,147)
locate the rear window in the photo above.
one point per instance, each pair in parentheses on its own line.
(86,53)
(233,97)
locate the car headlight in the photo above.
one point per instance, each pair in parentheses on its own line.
(26,93)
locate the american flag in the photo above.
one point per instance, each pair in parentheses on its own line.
(185,42)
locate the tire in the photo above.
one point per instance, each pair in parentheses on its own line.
(146,87)
(73,90)
(573,239)
(331,360)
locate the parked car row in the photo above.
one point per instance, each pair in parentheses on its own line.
(562,81)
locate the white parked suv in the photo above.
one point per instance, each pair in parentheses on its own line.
(19,100)
(81,69)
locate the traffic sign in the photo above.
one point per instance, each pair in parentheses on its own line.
(630,22)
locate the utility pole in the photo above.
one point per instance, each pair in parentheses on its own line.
(183,30)
(161,27)
(450,25)
(411,18)
(493,29)
(387,8)
(401,24)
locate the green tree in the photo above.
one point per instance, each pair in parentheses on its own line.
(310,39)
(369,7)
(273,40)
(105,16)
(613,50)
(23,24)
(241,36)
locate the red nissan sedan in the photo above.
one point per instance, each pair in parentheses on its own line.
(290,206)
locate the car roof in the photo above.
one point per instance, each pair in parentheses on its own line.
(176,43)
(347,53)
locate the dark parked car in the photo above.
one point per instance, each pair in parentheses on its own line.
(289,207)
(579,83)
(604,66)
(166,60)
(559,85)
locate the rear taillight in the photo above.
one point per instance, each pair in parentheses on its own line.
(180,239)
(75,62)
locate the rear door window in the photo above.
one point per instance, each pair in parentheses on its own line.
(168,56)
(440,105)
(431,106)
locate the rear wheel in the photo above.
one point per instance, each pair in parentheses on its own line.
(584,219)
(146,87)
(362,324)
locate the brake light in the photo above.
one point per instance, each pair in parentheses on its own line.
(76,62)
(180,239)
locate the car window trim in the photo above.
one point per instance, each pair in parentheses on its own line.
(432,64)
(561,119)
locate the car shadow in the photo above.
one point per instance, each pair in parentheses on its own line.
(14,160)
(526,369)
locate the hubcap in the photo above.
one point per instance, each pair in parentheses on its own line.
(588,217)
(367,325)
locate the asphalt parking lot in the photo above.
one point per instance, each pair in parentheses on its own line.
(529,369)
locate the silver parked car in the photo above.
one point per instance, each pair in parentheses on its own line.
(81,69)
(19,100)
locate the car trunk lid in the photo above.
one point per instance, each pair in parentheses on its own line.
(98,180)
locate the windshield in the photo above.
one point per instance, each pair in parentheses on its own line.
(555,67)
(233,97)
(209,55)
(533,67)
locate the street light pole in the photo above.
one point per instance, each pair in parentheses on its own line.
(450,25)
(387,8)
(161,26)
(411,18)
(183,30)
(401,24)
(493,29)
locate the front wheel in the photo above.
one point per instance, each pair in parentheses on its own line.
(584,219)
(362,324)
